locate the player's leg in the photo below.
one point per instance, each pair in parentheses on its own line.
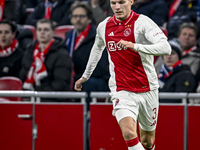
(129,129)
(125,109)
(147,117)
(147,139)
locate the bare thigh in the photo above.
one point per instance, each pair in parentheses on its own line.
(128,128)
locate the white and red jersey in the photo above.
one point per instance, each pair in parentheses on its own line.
(131,70)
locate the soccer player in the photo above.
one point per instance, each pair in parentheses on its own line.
(132,41)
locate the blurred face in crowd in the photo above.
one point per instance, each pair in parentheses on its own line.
(80,19)
(169,60)
(121,8)
(187,38)
(44,32)
(6,35)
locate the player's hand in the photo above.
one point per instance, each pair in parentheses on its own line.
(78,83)
(125,44)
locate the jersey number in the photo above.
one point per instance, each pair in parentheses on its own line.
(155,113)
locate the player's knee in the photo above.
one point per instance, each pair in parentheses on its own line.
(129,134)
(147,141)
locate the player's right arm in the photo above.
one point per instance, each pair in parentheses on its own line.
(95,55)
(78,83)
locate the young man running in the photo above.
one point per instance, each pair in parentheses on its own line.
(132,41)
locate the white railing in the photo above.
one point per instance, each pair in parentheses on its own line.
(183,96)
(36,96)
(81,95)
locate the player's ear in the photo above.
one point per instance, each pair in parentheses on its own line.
(132,1)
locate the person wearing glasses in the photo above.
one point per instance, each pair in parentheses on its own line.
(79,42)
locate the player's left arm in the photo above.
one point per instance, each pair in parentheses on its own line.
(157,41)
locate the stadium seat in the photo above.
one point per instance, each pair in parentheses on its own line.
(61,30)
(10,83)
(33,29)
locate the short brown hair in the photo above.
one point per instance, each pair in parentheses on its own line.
(83,5)
(189,25)
(44,20)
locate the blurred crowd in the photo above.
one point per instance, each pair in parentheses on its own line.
(54,63)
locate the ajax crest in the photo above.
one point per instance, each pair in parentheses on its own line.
(127,32)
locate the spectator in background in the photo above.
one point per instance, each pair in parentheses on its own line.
(79,42)
(10,53)
(101,9)
(46,65)
(13,10)
(174,76)
(181,11)
(55,10)
(187,35)
(155,9)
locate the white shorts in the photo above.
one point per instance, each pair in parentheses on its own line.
(140,106)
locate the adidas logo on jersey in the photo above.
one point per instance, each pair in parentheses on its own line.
(111,34)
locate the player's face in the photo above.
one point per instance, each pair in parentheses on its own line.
(44,32)
(6,35)
(121,8)
(169,60)
(187,38)
(80,19)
